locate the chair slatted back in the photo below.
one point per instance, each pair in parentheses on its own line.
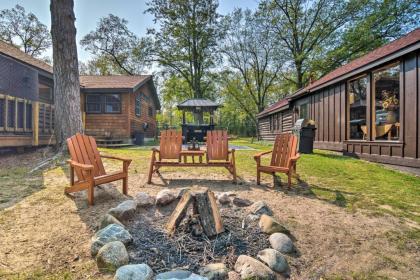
(217,145)
(170,144)
(284,148)
(83,149)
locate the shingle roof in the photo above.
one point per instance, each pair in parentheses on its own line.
(198,103)
(14,52)
(379,53)
(113,81)
(278,105)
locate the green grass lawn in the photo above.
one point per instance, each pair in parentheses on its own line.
(342,180)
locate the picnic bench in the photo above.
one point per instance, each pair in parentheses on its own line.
(170,153)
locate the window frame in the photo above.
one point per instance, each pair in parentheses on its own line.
(137,105)
(373,102)
(26,128)
(10,128)
(17,102)
(103,103)
(151,112)
(368,94)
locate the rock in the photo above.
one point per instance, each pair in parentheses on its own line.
(144,199)
(269,225)
(223,198)
(165,197)
(230,193)
(273,259)
(108,220)
(111,256)
(179,274)
(281,242)
(124,210)
(233,275)
(250,268)
(259,208)
(112,232)
(240,202)
(214,271)
(134,272)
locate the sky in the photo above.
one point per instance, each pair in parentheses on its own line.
(88,13)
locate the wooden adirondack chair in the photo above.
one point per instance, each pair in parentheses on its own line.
(169,149)
(218,151)
(86,162)
(283,157)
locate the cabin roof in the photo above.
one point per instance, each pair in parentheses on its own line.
(277,106)
(96,83)
(198,102)
(14,52)
(387,50)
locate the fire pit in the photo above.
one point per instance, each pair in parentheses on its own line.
(175,237)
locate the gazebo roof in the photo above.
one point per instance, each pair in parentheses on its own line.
(203,104)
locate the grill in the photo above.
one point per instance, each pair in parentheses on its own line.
(304,129)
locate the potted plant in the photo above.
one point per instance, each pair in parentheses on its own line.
(390,104)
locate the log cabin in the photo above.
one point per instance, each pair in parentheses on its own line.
(26,99)
(115,108)
(368,108)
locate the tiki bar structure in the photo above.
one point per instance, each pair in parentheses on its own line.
(197,131)
(368,108)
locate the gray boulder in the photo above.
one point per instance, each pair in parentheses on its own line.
(269,225)
(223,198)
(233,275)
(112,232)
(259,208)
(134,272)
(250,268)
(108,219)
(111,256)
(214,271)
(273,259)
(165,197)
(125,210)
(178,275)
(241,202)
(281,242)
(144,199)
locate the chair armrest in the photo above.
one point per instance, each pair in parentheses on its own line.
(259,155)
(231,151)
(295,158)
(156,150)
(117,158)
(82,166)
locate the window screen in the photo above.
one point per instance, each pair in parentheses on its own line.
(2,106)
(20,114)
(28,116)
(11,109)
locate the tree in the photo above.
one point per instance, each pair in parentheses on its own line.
(24,31)
(115,46)
(186,41)
(68,116)
(252,53)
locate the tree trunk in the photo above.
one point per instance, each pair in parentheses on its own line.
(299,75)
(68,117)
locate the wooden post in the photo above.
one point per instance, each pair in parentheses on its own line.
(35,123)
(84,120)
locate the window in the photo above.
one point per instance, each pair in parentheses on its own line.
(357,108)
(137,107)
(93,103)
(112,103)
(2,112)
(150,111)
(303,111)
(20,114)
(103,103)
(28,116)
(11,110)
(386,103)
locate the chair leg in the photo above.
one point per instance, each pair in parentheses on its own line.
(152,163)
(91,193)
(125,185)
(289,179)
(258,177)
(234,172)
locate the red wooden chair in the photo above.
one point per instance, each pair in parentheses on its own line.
(86,162)
(283,157)
(218,151)
(169,149)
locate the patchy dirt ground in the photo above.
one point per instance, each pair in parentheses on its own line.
(45,234)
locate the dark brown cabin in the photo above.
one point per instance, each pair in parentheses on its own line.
(114,108)
(368,108)
(26,99)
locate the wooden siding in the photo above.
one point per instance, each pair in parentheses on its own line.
(268,132)
(136,122)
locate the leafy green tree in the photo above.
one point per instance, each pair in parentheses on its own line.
(116,48)
(24,31)
(185,43)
